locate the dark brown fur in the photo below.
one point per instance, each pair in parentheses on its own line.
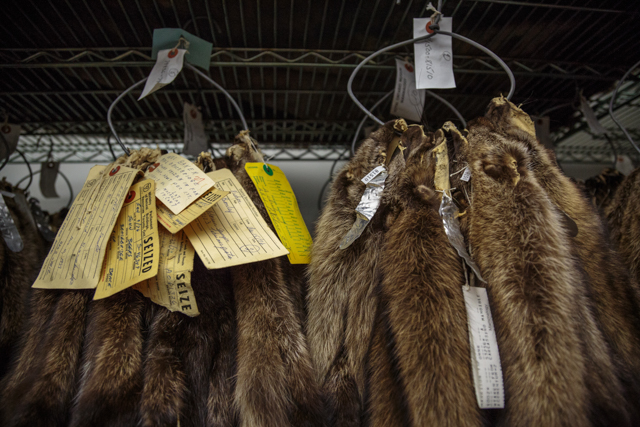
(275,381)
(423,320)
(555,361)
(623,216)
(342,295)
(615,294)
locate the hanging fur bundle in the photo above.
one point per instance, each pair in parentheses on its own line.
(602,188)
(622,215)
(615,294)
(67,330)
(420,357)
(17,271)
(343,284)
(556,364)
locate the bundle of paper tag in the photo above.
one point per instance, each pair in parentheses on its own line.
(96,352)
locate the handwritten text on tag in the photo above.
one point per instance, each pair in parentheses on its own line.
(175,223)
(408,102)
(485,359)
(132,252)
(232,232)
(75,259)
(178,181)
(166,69)
(281,204)
(434,56)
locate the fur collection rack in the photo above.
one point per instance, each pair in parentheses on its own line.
(375,334)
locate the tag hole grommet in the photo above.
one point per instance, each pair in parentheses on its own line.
(267,169)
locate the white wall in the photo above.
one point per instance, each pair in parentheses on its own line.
(306,178)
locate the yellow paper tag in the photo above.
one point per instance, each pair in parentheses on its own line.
(442,167)
(134,246)
(75,259)
(232,232)
(172,287)
(175,223)
(178,181)
(282,206)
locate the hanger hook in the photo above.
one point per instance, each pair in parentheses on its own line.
(195,70)
(436,30)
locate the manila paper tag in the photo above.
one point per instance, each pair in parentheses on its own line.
(441,178)
(75,259)
(434,56)
(178,181)
(175,223)
(166,69)
(232,232)
(281,204)
(171,288)
(408,102)
(485,358)
(11,133)
(195,139)
(132,251)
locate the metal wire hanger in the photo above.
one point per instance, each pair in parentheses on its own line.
(381,100)
(195,70)
(436,30)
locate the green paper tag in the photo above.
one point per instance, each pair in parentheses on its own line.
(199,51)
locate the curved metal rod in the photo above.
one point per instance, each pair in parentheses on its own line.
(224,92)
(195,70)
(28,167)
(8,148)
(416,40)
(613,100)
(63,176)
(111,147)
(438,97)
(364,119)
(110,110)
(451,107)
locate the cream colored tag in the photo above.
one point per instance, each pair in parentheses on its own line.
(232,232)
(172,287)
(442,167)
(75,259)
(134,246)
(178,181)
(281,204)
(485,358)
(175,223)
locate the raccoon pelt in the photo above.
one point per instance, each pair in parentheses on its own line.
(66,331)
(420,358)
(275,380)
(556,365)
(614,292)
(602,188)
(190,364)
(343,284)
(17,272)
(622,215)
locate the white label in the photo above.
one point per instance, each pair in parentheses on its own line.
(590,117)
(434,56)
(624,164)
(195,139)
(485,358)
(165,70)
(11,134)
(466,175)
(408,102)
(368,177)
